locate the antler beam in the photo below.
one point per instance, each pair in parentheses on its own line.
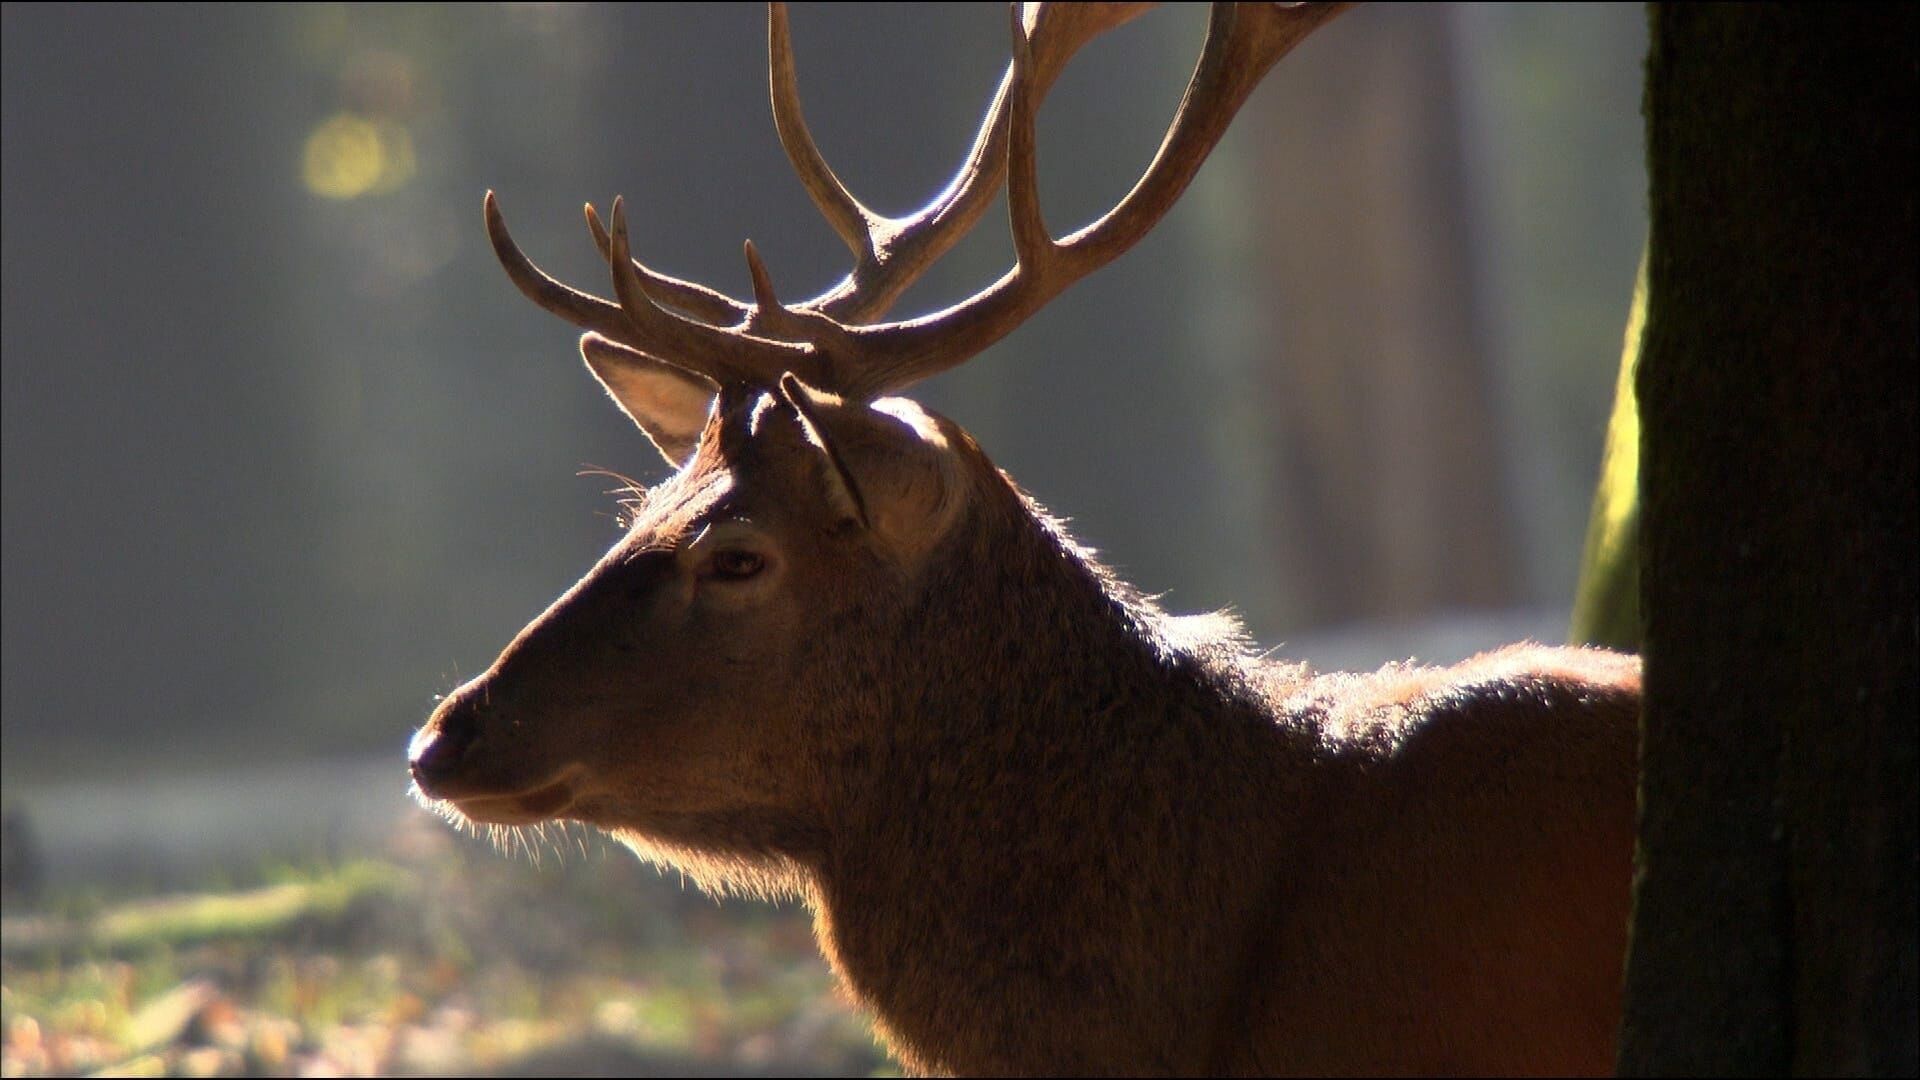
(831,340)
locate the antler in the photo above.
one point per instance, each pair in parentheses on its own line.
(831,340)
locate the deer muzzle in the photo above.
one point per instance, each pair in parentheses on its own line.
(456,761)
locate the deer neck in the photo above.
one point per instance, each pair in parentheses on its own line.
(1057,775)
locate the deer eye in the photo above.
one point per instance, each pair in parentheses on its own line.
(736,564)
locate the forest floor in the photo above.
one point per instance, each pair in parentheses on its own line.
(434,955)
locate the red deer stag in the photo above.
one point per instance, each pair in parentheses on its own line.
(1044,827)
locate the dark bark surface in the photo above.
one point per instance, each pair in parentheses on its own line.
(1775,922)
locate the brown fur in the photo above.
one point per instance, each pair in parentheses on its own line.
(1043,826)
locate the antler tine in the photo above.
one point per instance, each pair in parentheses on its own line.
(1243,42)
(580,309)
(1251,39)
(728,355)
(645,331)
(1032,244)
(849,218)
(891,253)
(707,305)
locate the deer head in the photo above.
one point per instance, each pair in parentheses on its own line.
(697,690)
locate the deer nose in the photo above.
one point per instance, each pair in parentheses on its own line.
(438,748)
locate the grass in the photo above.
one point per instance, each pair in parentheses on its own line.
(438,956)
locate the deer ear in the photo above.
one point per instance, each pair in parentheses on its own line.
(811,405)
(669,404)
(891,461)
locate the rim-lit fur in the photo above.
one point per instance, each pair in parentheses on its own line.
(1045,827)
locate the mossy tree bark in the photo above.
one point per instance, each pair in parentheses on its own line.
(1774,928)
(1606,605)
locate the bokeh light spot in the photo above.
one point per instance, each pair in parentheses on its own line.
(348,156)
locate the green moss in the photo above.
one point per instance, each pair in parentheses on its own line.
(1606,604)
(143,924)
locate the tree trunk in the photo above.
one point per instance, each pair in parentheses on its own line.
(1774,926)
